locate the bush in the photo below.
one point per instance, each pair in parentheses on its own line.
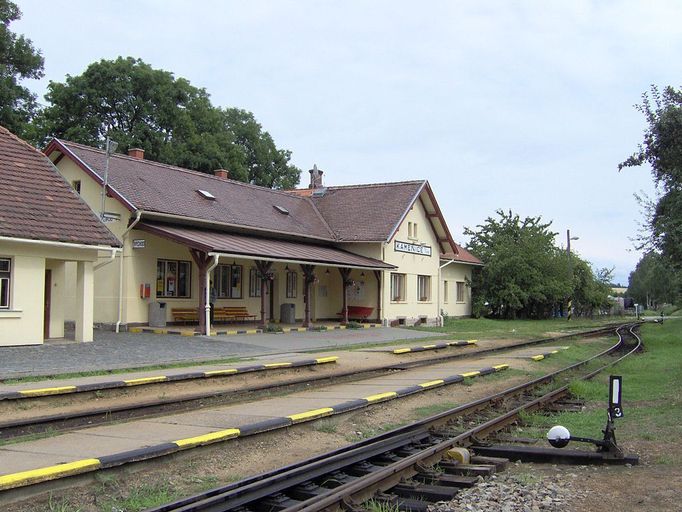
(272,328)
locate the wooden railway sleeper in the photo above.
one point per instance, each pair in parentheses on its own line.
(424,492)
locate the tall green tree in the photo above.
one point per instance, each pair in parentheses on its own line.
(173,121)
(526,276)
(655,281)
(662,150)
(523,274)
(19,60)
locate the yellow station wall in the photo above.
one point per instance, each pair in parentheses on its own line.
(23,323)
(326,297)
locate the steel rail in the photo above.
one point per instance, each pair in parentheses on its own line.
(346,493)
(60,422)
(231,496)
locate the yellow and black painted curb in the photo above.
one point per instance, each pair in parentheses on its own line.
(233,332)
(435,346)
(97,386)
(35,476)
(540,357)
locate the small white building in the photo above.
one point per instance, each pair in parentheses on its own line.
(45,225)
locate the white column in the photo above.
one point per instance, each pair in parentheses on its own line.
(58,299)
(85,299)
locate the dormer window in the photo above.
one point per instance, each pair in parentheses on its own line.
(206,195)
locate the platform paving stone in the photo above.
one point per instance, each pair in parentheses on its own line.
(99,441)
(146,432)
(218,419)
(129,350)
(285,357)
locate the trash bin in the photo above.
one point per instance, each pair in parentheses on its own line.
(287,313)
(157,314)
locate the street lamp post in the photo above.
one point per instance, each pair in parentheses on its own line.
(110,148)
(569,313)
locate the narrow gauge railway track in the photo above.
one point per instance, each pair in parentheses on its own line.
(60,422)
(396,462)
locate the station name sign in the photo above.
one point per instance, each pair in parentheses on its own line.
(424,250)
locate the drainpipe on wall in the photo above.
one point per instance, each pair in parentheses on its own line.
(210,268)
(112,257)
(138,216)
(440,316)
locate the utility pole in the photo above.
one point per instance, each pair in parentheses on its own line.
(570,273)
(110,148)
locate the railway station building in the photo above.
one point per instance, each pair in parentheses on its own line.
(371,253)
(45,227)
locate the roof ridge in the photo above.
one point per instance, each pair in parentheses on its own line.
(178,168)
(369,185)
(320,216)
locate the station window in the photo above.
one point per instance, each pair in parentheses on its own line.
(228,280)
(76,184)
(397,287)
(254,283)
(424,288)
(5,281)
(460,291)
(173,278)
(445,292)
(292,284)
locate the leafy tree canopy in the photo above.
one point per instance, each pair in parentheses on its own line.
(18,60)
(525,275)
(655,281)
(173,121)
(662,149)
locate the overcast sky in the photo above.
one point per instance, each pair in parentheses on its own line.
(515,105)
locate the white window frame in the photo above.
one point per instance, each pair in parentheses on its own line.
(5,283)
(223,278)
(254,282)
(423,288)
(292,284)
(163,289)
(461,296)
(398,283)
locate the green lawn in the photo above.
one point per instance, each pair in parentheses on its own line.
(516,329)
(652,382)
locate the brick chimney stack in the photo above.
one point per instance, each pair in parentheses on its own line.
(136,153)
(222,174)
(315,177)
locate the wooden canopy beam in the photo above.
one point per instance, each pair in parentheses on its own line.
(264,269)
(308,280)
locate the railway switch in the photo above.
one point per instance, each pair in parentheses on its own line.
(559,436)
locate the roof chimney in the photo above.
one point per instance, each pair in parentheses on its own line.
(222,174)
(315,177)
(136,153)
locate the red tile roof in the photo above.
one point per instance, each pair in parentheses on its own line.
(255,247)
(463,256)
(162,188)
(36,203)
